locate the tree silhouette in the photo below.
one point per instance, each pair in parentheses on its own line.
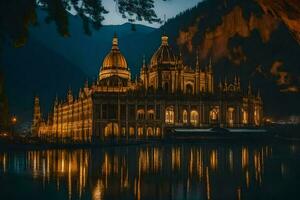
(16,16)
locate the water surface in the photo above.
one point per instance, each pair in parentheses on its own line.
(181,171)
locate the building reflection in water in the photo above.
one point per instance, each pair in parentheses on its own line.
(146,172)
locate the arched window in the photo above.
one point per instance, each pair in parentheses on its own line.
(245,116)
(151,114)
(194,118)
(256,116)
(131,131)
(189,89)
(140,131)
(158,131)
(111,129)
(123,131)
(169,115)
(230,116)
(214,114)
(184,117)
(141,114)
(150,132)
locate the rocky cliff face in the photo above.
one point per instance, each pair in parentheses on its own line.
(258,39)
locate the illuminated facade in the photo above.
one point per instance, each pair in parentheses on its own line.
(167,94)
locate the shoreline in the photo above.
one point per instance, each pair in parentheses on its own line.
(238,141)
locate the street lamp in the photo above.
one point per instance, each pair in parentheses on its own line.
(13,121)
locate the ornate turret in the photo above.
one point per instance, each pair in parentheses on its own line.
(164,54)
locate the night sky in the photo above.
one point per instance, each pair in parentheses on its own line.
(169,8)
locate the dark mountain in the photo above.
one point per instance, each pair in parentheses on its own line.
(35,69)
(49,64)
(257,39)
(88,51)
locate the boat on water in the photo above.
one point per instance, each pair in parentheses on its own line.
(218,133)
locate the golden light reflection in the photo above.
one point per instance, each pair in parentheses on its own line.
(214,159)
(138,171)
(191,162)
(247,178)
(200,163)
(208,190)
(176,158)
(230,158)
(258,166)
(98,193)
(245,157)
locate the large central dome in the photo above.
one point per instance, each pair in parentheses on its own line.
(114,64)
(164,54)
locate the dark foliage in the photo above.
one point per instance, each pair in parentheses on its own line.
(16,16)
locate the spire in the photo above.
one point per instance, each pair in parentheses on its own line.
(144,61)
(220,85)
(56,100)
(249,89)
(225,84)
(115,43)
(164,40)
(258,94)
(86,84)
(197,61)
(70,95)
(236,86)
(36,111)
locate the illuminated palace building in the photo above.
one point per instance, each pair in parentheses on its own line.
(167,94)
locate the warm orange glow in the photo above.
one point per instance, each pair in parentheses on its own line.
(14,120)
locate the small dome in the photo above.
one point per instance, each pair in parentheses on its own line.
(164,54)
(114,64)
(114,58)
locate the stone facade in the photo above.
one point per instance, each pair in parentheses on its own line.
(167,94)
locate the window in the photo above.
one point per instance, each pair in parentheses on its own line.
(151,114)
(245,116)
(189,89)
(131,131)
(123,131)
(158,131)
(230,116)
(111,129)
(169,115)
(256,116)
(214,114)
(194,118)
(141,114)
(149,131)
(140,131)
(184,117)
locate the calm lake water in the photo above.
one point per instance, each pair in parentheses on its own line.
(185,171)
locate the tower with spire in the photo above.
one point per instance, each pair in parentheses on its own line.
(37,116)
